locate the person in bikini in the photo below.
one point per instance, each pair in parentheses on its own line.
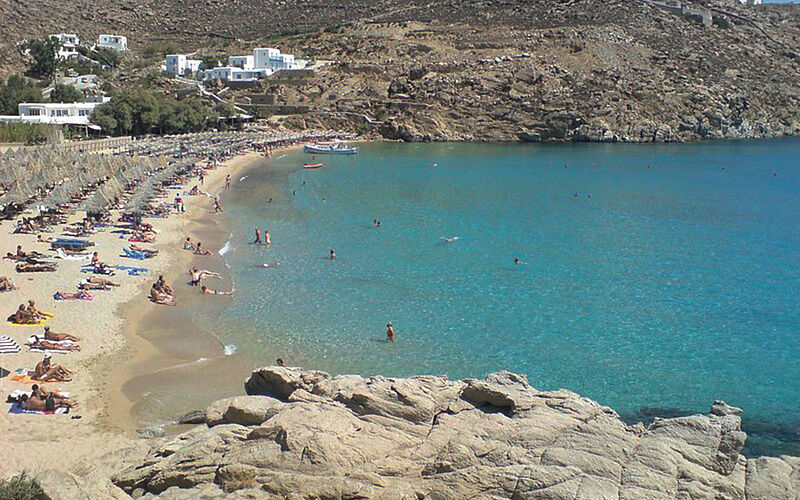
(58,337)
(81,295)
(39,343)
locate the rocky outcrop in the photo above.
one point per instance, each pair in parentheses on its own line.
(303,434)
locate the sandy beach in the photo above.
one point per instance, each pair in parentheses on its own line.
(124,348)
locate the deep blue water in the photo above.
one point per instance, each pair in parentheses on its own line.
(658,277)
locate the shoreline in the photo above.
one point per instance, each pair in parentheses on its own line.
(161,339)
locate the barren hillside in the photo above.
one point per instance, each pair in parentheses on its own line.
(493,69)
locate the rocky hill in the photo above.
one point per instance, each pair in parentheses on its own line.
(304,434)
(616,70)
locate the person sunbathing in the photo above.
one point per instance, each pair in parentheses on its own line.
(81,295)
(43,239)
(140,236)
(35,268)
(160,297)
(85,285)
(161,286)
(23,317)
(11,256)
(58,337)
(6,285)
(146,251)
(49,404)
(26,255)
(198,250)
(31,308)
(39,343)
(188,245)
(102,268)
(38,392)
(99,281)
(209,291)
(45,371)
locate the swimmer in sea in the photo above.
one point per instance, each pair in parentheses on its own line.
(280,362)
(449,239)
(518,262)
(269,265)
(390,335)
(333,254)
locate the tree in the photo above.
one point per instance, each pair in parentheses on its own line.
(104,55)
(44,54)
(16,90)
(225,109)
(66,93)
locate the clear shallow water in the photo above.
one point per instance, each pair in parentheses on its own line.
(671,279)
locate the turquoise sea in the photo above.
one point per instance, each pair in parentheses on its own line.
(657,278)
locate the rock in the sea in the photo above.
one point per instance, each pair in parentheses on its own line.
(430,437)
(193,417)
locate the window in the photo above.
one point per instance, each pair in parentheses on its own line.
(34,112)
(83,112)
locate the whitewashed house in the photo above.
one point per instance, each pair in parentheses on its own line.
(181,65)
(115,42)
(233,74)
(273,60)
(69,45)
(242,62)
(68,113)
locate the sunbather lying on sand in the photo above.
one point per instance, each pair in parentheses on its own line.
(58,336)
(39,343)
(45,371)
(6,285)
(31,254)
(38,392)
(144,238)
(147,251)
(49,404)
(82,295)
(35,268)
(95,280)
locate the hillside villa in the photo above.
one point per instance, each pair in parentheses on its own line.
(262,63)
(114,42)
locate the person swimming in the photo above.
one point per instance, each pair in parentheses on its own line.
(209,291)
(449,239)
(269,265)
(518,262)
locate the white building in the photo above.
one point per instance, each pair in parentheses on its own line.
(115,42)
(69,45)
(68,113)
(241,62)
(273,60)
(180,65)
(234,74)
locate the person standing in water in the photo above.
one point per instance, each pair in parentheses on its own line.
(267,237)
(217,205)
(333,254)
(227,181)
(258,236)
(390,335)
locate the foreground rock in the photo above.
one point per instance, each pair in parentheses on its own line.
(302,434)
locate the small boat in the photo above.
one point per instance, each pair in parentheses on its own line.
(312,165)
(335,148)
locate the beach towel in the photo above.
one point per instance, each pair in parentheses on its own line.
(134,271)
(33,338)
(38,323)
(138,240)
(61,254)
(23,379)
(133,254)
(16,409)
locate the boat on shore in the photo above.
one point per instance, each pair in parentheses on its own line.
(312,165)
(330,148)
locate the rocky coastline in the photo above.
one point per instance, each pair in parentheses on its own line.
(306,434)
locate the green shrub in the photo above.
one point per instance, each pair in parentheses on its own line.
(20,487)
(27,133)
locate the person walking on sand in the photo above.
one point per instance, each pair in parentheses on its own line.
(267,237)
(390,335)
(202,176)
(227,181)
(217,205)
(258,236)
